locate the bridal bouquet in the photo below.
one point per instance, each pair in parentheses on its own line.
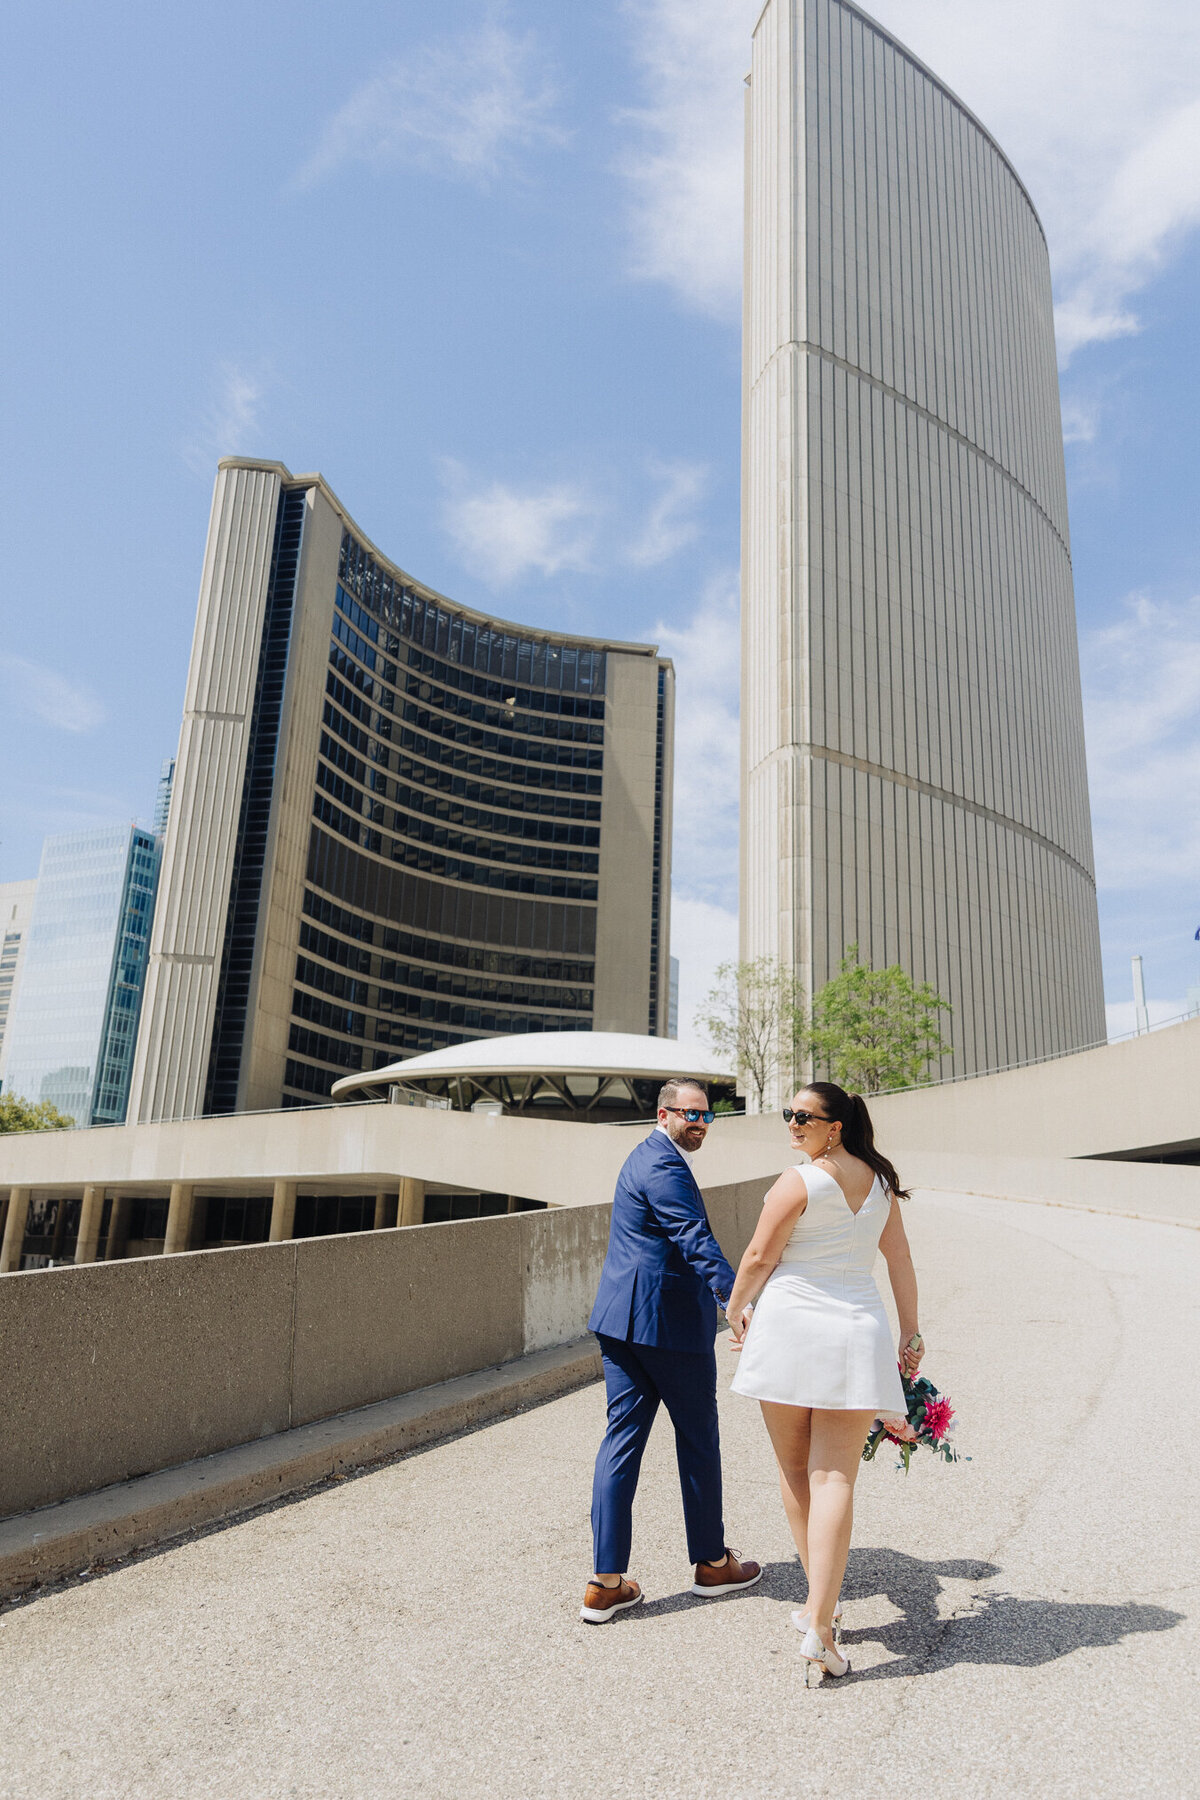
(929,1420)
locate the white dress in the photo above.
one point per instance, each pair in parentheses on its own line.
(819,1335)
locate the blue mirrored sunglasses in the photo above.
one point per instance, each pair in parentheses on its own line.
(691,1115)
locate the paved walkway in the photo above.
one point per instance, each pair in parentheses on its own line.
(1022,1624)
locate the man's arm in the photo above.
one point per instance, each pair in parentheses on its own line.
(675,1201)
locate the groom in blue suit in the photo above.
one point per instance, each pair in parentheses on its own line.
(656,1318)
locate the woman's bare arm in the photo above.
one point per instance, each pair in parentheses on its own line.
(781,1208)
(893,1242)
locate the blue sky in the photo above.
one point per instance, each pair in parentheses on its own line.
(479,265)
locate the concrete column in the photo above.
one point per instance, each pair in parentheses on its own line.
(60,1230)
(118,1228)
(14,1230)
(91,1213)
(387,1209)
(411,1209)
(283,1212)
(181,1216)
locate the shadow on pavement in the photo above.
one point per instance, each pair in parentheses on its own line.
(998,1628)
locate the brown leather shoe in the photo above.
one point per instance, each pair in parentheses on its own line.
(600,1602)
(732,1575)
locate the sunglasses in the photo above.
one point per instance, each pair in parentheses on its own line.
(691,1115)
(803,1118)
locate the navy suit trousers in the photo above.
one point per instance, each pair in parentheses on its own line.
(637,1377)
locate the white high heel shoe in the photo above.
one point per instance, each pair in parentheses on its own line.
(821,1661)
(803,1622)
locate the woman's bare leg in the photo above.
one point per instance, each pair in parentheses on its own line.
(788,1429)
(836,1442)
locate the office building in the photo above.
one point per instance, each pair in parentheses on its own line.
(913,756)
(162,799)
(16,904)
(74,1022)
(397,824)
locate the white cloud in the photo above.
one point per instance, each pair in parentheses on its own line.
(671,522)
(705,651)
(34,690)
(461,107)
(501,532)
(702,937)
(1142,708)
(1096,101)
(1080,419)
(685,168)
(230,417)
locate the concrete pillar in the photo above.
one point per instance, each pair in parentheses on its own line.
(91,1212)
(387,1208)
(411,1209)
(60,1230)
(14,1230)
(283,1212)
(181,1215)
(118,1228)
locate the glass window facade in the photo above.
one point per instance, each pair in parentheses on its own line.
(75,1020)
(111,1092)
(457,800)
(250,856)
(390,830)
(16,905)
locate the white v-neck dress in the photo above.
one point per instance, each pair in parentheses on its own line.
(819,1335)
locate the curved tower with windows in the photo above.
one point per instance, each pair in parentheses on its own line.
(397,824)
(913,757)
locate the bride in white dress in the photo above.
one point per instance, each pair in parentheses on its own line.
(815,1344)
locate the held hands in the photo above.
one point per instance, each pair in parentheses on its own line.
(911,1353)
(739,1323)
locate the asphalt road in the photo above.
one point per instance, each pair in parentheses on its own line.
(1021,1624)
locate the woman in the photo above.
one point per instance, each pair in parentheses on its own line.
(817,1353)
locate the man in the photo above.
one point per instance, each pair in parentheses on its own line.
(656,1318)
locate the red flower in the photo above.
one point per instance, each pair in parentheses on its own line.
(938,1414)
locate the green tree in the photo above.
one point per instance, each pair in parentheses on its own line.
(755,1018)
(876,1028)
(22,1115)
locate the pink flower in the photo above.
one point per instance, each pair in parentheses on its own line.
(938,1414)
(897,1427)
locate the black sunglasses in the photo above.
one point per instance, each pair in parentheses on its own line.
(691,1115)
(803,1118)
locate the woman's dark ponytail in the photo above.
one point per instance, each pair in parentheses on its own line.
(858,1133)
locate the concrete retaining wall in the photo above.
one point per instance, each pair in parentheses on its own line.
(1137,1190)
(117,1369)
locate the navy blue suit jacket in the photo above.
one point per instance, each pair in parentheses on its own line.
(664,1271)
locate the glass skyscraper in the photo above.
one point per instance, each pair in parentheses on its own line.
(75,1018)
(16,904)
(162,801)
(396,824)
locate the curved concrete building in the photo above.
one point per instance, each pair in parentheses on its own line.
(913,757)
(396,824)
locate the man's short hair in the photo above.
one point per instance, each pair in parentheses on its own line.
(668,1093)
